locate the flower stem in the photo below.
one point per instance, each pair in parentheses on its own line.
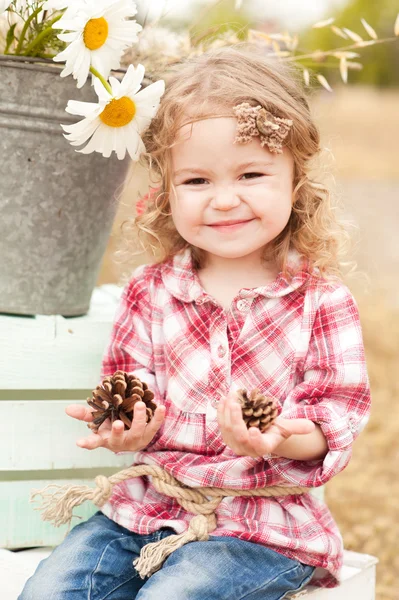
(43,34)
(25,28)
(101,78)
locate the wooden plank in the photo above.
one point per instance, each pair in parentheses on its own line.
(54,352)
(356,583)
(16,568)
(21,526)
(21,565)
(38,435)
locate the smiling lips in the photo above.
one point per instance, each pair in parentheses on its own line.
(229,225)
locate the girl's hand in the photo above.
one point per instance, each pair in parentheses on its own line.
(251,442)
(115,437)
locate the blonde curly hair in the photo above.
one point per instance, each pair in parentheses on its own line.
(209,85)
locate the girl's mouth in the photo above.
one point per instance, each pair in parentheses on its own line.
(229,225)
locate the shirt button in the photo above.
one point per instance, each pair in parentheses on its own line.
(352,424)
(242,305)
(215,401)
(221,351)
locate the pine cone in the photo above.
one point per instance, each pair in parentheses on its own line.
(116,397)
(257,409)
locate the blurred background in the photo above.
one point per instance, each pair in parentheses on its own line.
(359,122)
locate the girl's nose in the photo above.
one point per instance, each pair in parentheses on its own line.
(224,199)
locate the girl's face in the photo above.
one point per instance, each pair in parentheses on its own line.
(231,200)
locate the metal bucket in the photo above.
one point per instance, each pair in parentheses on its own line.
(57,206)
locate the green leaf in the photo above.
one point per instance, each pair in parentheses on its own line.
(10,37)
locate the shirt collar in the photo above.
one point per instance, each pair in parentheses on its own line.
(182,281)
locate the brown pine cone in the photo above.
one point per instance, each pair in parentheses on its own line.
(257,409)
(116,397)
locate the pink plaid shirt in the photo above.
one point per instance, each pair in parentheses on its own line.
(297,339)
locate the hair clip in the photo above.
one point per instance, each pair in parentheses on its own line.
(256,121)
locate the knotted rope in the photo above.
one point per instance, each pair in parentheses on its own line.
(57,507)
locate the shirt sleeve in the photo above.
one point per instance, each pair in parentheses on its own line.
(334,391)
(130,346)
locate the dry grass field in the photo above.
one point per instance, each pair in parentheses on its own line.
(360,130)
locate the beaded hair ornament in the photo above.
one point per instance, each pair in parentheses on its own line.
(256,121)
(252,121)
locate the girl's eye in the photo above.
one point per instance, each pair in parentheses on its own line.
(195,181)
(252,175)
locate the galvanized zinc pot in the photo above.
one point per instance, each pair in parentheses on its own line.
(57,206)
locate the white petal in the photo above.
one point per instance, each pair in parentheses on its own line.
(120,147)
(96,143)
(79,140)
(75,107)
(143,121)
(121,7)
(116,86)
(80,137)
(76,24)
(62,56)
(147,102)
(119,143)
(68,37)
(152,93)
(132,80)
(81,68)
(103,94)
(108,143)
(101,64)
(70,54)
(67,70)
(125,30)
(134,143)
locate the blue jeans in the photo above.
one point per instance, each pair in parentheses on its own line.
(94,562)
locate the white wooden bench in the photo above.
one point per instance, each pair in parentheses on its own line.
(47,362)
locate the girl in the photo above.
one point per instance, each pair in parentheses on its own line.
(245,294)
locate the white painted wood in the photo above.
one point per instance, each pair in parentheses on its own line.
(54,352)
(16,568)
(21,524)
(357,584)
(357,581)
(38,435)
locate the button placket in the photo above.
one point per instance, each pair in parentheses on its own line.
(221,351)
(352,424)
(242,305)
(219,362)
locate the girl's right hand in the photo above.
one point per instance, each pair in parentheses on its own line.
(114,437)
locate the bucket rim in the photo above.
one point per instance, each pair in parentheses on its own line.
(36,63)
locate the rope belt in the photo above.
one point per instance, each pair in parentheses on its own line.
(57,507)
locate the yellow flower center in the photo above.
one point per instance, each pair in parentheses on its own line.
(95,33)
(118,113)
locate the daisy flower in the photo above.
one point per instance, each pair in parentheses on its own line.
(72,6)
(4,4)
(117,120)
(99,33)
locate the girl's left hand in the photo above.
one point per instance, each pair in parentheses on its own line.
(251,442)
